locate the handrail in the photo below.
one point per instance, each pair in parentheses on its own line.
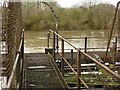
(85,54)
(94,60)
(13,71)
(19,57)
(62,55)
(63,82)
(74,72)
(64,39)
(85,38)
(102,65)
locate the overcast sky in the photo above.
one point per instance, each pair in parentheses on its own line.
(69,3)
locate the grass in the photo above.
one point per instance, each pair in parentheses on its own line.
(93,80)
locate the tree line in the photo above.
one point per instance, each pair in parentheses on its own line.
(37,16)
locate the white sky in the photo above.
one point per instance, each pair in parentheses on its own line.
(68,3)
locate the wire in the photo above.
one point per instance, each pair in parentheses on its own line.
(11,23)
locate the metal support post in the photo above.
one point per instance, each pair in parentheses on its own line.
(85,47)
(22,60)
(115,51)
(18,71)
(62,61)
(71,60)
(54,46)
(85,44)
(48,39)
(78,69)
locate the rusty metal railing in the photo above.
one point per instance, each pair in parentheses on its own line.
(15,79)
(13,37)
(86,46)
(112,28)
(79,52)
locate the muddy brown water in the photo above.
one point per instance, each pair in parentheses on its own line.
(36,41)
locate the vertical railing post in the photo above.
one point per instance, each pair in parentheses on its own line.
(115,51)
(20,67)
(22,50)
(71,60)
(18,74)
(85,44)
(22,59)
(54,46)
(78,69)
(62,61)
(48,39)
(85,47)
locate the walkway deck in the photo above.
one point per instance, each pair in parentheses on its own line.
(40,72)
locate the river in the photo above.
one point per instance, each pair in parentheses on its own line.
(36,41)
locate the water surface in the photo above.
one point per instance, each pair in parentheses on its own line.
(36,41)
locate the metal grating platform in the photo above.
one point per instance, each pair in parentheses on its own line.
(40,73)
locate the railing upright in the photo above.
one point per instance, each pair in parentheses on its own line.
(78,69)
(22,60)
(85,47)
(54,46)
(18,70)
(85,44)
(115,54)
(48,39)
(71,60)
(62,61)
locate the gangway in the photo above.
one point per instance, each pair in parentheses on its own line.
(39,70)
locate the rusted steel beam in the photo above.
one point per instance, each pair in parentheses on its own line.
(111,32)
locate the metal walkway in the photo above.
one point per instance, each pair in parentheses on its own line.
(40,72)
